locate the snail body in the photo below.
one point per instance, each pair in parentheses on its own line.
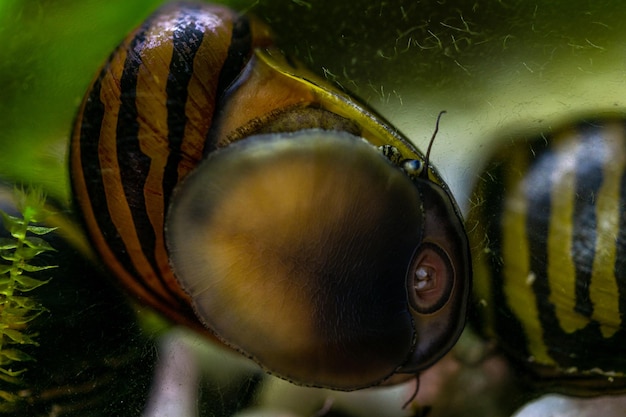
(236,192)
(549,250)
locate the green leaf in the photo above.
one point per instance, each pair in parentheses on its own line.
(18,336)
(9,372)
(26,253)
(7,243)
(25,302)
(9,315)
(9,221)
(15,355)
(27,283)
(34,268)
(5,268)
(41,230)
(7,292)
(38,243)
(20,319)
(10,256)
(13,307)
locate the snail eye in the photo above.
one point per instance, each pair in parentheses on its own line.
(429,279)
(413,167)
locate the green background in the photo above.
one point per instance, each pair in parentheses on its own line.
(500,68)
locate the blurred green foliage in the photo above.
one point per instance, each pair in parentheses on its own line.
(51,50)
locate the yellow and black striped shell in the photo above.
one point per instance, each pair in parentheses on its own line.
(236,192)
(548,235)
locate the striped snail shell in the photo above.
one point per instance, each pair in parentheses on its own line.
(548,234)
(236,192)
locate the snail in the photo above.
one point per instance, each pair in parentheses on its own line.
(236,192)
(547,232)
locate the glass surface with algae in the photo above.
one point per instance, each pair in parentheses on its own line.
(501,69)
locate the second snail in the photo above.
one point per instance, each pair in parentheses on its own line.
(548,239)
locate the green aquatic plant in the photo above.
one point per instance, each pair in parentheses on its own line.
(18,305)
